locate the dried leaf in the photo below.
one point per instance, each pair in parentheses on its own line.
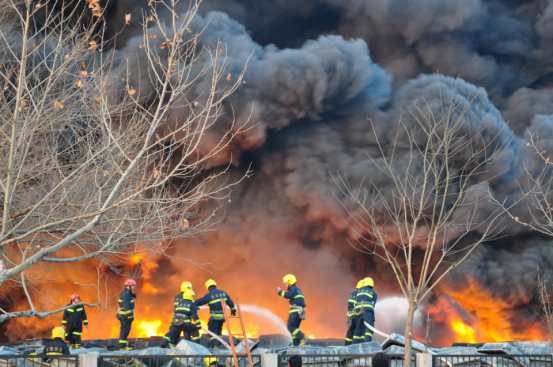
(150,18)
(141,46)
(152,36)
(83,65)
(229,200)
(185,223)
(228,78)
(58,105)
(516,218)
(132,91)
(93,45)
(79,84)
(97,13)
(170,41)
(38,5)
(84,73)
(92,1)
(163,45)
(127,18)
(122,79)
(78,139)
(97,99)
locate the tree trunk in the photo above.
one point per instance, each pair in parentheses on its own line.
(408,333)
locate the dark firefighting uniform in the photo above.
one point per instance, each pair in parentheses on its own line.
(73,319)
(217,319)
(297,303)
(56,347)
(352,317)
(125,316)
(185,320)
(366,299)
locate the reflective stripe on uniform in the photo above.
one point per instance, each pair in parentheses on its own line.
(216,300)
(365,294)
(77,333)
(125,312)
(281,293)
(299,296)
(211,338)
(80,309)
(123,341)
(176,303)
(132,300)
(295,332)
(54,354)
(165,337)
(85,321)
(365,305)
(182,308)
(294,310)
(70,310)
(349,340)
(369,334)
(195,337)
(64,322)
(357,337)
(352,301)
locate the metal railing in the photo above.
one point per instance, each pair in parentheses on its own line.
(40,360)
(176,360)
(342,360)
(494,360)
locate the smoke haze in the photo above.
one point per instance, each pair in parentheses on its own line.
(317,71)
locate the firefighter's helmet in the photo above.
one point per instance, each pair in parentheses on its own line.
(289,279)
(368,282)
(130,281)
(210,283)
(360,283)
(73,296)
(188,294)
(58,332)
(185,285)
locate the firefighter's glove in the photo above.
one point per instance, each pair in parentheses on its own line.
(233,312)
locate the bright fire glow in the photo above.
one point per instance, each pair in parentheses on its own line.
(465,334)
(148,329)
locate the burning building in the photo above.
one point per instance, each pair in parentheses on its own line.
(317,70)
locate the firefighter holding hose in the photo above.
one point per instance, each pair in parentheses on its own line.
(185,318)
(297,308)
(217,319)
(125,314)
(352,319)
(364,310)
(72,322)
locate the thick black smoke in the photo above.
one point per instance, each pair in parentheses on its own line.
(318,70)
(312,85)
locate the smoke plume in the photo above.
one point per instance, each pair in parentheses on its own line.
(317,71)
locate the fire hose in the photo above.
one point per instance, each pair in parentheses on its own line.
(213,335)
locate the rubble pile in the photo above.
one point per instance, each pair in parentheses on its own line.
(326,348)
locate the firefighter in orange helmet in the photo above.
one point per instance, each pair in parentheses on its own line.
(125,314)
(72,321)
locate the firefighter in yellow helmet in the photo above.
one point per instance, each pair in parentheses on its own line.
(297,308)
(364,310)
(217,319)
(352,319)
(57,346)
(185,318)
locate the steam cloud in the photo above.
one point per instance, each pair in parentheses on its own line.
(312,85)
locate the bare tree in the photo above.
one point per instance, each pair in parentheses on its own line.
(95,169)
(428,204)
(546,314)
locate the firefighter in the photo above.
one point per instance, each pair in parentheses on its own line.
(56,347)
(297,308)
(217,318)
(352,319)
(185,318)
(364,310)
(125,313)
(72,322)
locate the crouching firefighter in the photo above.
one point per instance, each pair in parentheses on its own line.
(72,322)
(364,310)
(125,314)
(217,319)
(56,347)
(297,309)
(352,319)
(185,319)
